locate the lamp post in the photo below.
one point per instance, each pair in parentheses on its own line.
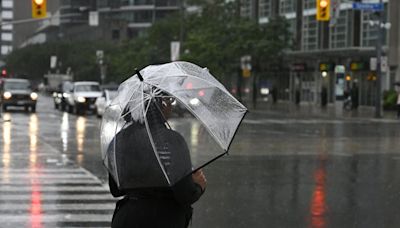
(378,112)
(382,26)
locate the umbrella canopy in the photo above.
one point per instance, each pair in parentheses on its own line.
(145,145)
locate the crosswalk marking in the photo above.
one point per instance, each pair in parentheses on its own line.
(53,197)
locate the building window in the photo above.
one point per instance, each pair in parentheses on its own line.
(310,29)
(166,2)
(287,6)
(137,2)
(310,4)
(370,32)
(245,9)
(115,34)
(339,35)
(265,8)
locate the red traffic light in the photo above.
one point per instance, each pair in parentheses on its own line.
(4,73)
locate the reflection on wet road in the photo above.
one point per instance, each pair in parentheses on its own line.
(39,186)
(315,173)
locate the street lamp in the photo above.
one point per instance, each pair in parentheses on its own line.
(381,27)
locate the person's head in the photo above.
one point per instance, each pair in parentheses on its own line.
(166,106)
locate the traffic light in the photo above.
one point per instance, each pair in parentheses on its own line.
(323,10)
(39,8)
(3,73)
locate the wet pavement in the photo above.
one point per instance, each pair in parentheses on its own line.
(288,167)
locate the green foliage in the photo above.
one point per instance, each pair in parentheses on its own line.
(389,99)
(34,60)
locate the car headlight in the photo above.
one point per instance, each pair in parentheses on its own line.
(65,95)
(59,95)
(194,101)
(81,99)
(54,94)
(34,96)
(264,91)
(7,95)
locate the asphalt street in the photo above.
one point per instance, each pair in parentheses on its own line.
(285,169)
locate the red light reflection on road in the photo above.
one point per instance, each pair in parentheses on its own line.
(36,204)
(318,200)
(34,172)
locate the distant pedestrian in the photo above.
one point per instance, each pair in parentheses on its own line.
(324,96)
(297,97)
(354,96)
(274,94)
(398,104)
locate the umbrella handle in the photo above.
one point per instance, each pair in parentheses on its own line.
(138,74)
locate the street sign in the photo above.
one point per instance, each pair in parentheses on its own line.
(368,6)
(175,50)
(340,69)
(335,12)
(326,67)
(373,63)
(53,61)
(298,67)
(245,62)
(384,64)
(94,18)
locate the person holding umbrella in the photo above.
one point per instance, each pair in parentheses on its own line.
(155,161)
(398,104)
(154,206)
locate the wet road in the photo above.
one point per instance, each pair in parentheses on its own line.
(282,171)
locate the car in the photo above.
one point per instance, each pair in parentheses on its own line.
(82,97)
(60,96)
(103,101)
(18,92)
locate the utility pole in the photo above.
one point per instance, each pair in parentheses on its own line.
(381,29)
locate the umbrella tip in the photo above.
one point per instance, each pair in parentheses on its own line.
(138,74)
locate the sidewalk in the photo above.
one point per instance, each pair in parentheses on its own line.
(311,110)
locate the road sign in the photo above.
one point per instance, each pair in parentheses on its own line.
(340,69)
(368,6)
(94,18)
(53,61)
(175,50)
(384,64)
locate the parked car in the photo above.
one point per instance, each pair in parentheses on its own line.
(18,92)
(103,101)
(82,97)
(60,96)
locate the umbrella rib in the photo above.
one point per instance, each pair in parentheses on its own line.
(115,156)
(153,144)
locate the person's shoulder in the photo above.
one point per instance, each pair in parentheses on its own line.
(174,134)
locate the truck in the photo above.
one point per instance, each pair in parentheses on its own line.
(52,82)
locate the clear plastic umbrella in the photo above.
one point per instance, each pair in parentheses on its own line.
(167,121)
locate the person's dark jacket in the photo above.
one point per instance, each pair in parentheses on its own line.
(155,207)
(148,201)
